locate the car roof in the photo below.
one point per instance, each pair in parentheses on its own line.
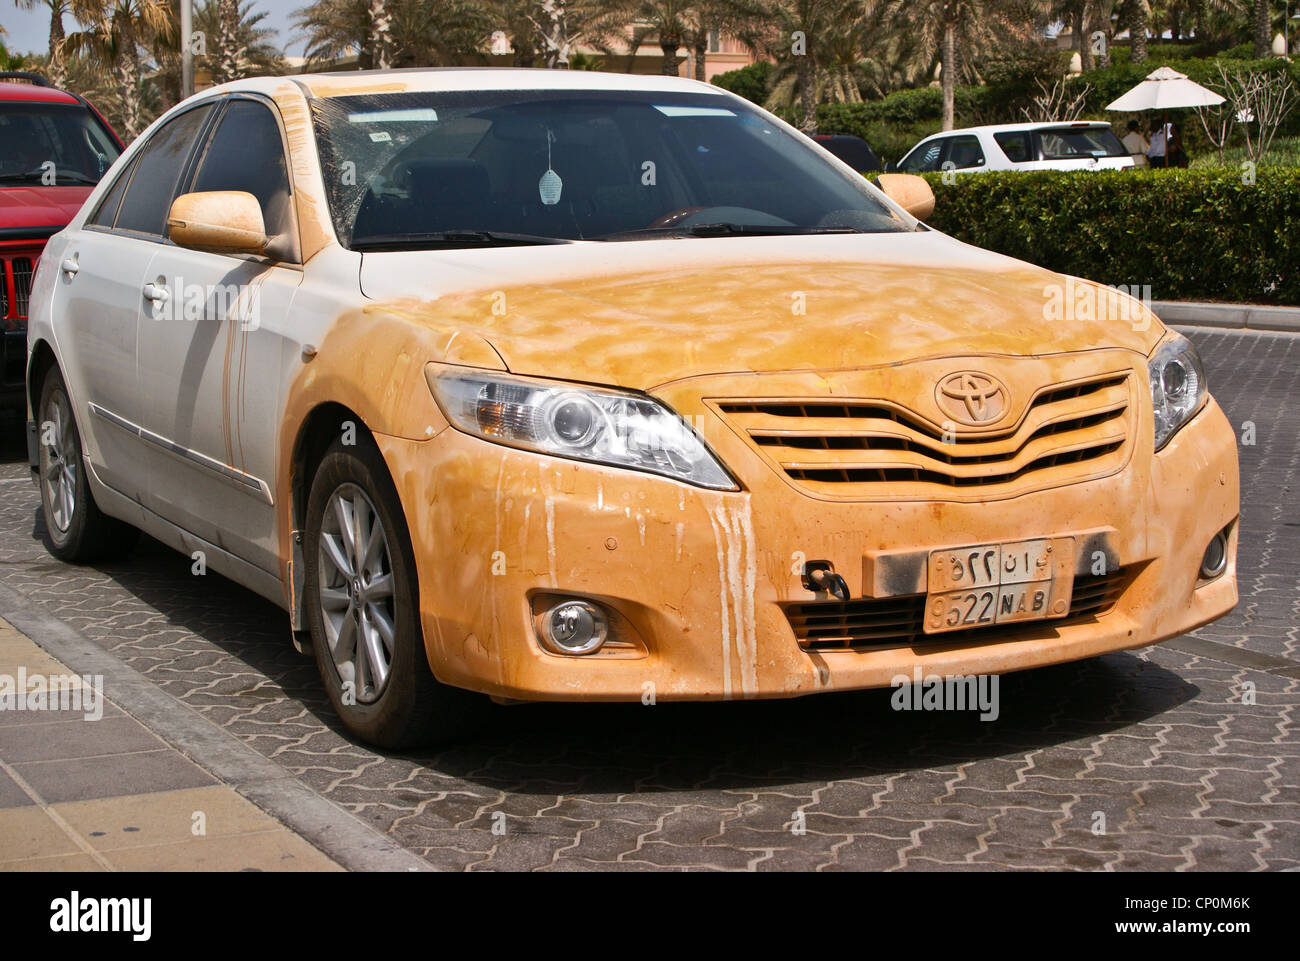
(31,91)
(992,128)
(422,79)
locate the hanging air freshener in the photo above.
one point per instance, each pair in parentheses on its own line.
(550,186)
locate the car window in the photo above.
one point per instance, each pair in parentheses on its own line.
(106,213)
(1015,145)
(60,140)
(156,173)
(924,158)
(964,153)
(1072,143)
(590,165)
(247,153)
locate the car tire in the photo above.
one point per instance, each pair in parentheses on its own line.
(75,529)
(361,595)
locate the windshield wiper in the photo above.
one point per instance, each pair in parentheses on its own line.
(453,238)
(727,230)
(39,174)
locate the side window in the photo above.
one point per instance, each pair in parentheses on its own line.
(1015,146)
(924,159)
(964,153)
(107,212)
(246,153)
(156,173)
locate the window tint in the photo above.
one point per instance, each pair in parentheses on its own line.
(924,158)
(153,184)
(246,154)
(964,153)
(107,211)
(595,165)
(1015,146)
(1072,143)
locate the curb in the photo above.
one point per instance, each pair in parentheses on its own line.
(1228,316)
(346,839)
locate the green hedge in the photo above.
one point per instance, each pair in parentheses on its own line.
(1189,234)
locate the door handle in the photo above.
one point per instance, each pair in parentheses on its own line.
(155,293)
(70,266)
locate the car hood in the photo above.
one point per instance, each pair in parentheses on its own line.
(30,206)
(646,313)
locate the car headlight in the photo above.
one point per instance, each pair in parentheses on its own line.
(609,427)
(1177,386)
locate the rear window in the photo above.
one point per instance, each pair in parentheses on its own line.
(1070,143)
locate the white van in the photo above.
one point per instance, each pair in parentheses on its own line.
(1080,145)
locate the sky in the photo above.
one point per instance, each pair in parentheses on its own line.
(28,31)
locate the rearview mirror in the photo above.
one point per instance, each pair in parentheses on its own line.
(221,221)
(910,192)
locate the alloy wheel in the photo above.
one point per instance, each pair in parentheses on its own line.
(355,586)
(59,460)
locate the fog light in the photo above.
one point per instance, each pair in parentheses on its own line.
(1216,556)
(574,627)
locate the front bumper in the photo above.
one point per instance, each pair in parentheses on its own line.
(701,577)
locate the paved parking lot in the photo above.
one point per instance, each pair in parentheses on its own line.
(1142,760)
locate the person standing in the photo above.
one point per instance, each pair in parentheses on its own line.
(1158,147)
(1136,144)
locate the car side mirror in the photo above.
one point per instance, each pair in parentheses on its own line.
(910,192)
(220,221)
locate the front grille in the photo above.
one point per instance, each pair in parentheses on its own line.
(1068,432)
(22,271)
(893,622)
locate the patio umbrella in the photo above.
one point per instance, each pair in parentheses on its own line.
(1166,89)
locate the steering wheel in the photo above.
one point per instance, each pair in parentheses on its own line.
(674,218)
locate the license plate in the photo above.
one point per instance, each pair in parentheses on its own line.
(999,584)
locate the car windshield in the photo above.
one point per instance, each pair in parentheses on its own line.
(1069,143)
(463,169)
(52,144)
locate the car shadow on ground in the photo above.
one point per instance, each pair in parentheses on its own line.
(620,748)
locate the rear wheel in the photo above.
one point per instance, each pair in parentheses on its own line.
(76,530)
(362,601)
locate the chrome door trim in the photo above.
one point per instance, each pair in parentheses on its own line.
(245,481)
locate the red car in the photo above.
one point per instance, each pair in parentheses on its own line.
(54,147)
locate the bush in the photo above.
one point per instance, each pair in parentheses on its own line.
(1189,234)
(748,82)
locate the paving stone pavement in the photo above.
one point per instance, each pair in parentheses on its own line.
(1156,742)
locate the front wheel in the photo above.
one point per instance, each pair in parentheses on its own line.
(362,600)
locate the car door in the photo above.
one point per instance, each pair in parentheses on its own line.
(212,349)
(98,296)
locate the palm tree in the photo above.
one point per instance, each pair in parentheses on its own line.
(251,47)
(229,51)
(1137,17)
(1079,14)
(1263,29)
(671,22)
(389,33)
(113,36)
(55,67)
(956,32)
